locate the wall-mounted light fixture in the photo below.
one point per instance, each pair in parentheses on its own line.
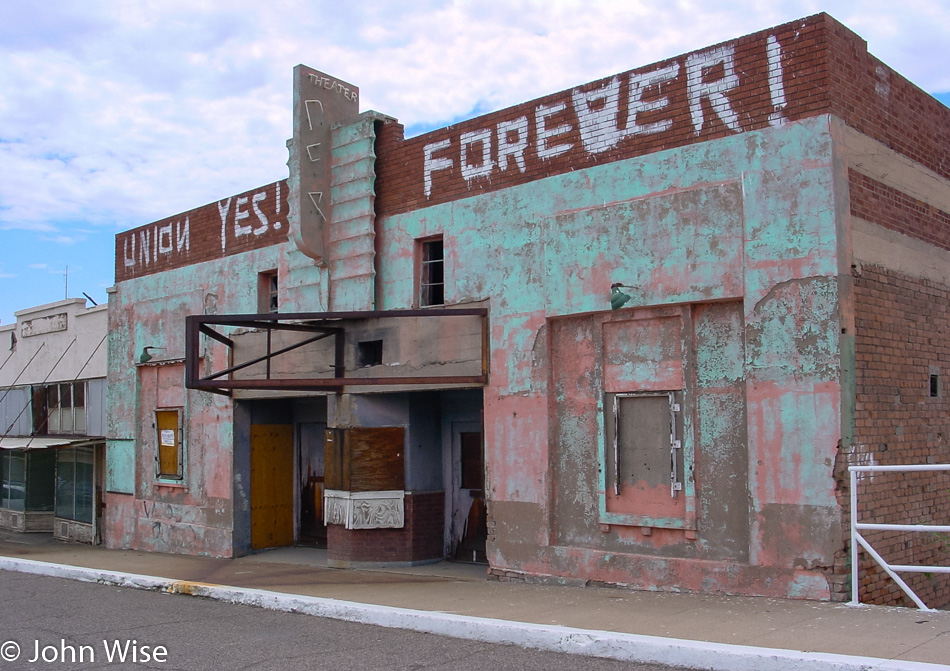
(146,356)
(618,298)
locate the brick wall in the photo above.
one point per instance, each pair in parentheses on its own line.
(879,102)
(900,341)
(873,201)
(421,538)
(798,73)
(234,224)
(801,69)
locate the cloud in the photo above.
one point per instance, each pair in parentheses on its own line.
(116,114)
(53,270)
(63,239)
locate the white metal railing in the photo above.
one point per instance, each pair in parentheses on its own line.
(858,539)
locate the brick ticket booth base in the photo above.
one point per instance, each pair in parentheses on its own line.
(418,541)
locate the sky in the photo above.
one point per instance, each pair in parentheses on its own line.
(116,113)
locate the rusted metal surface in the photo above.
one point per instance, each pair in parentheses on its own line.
(325,325)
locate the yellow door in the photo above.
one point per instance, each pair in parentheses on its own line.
(272,485)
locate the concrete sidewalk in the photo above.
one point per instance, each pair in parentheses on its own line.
(694,631)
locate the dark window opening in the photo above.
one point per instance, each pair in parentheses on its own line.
(369,353)
(267,292)
(74,483)
(473,469)
(59,409)
(432,273)
(934,386)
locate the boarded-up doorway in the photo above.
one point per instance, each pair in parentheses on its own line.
(272,486)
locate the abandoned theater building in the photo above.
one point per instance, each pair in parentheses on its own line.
(630,333)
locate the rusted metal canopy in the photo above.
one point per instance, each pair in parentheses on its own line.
(345,328)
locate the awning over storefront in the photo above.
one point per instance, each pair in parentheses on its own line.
(36,443)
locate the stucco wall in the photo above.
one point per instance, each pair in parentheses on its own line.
(749,218)
(193,515)
(57,342)
(63,341)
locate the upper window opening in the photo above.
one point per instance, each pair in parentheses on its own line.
(432,273)
(59,408)
(267,292)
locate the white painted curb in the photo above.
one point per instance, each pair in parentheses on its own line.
(611,645)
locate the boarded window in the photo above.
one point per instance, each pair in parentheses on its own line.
(645,461)
(168,457)
(365,459)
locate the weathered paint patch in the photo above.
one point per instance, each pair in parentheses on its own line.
(793,331)
(793,435)
(518,354)
(520,523)
(120,466)
(516,440)
(193,515)
(646,499)
(643,355)
(798,536)
(565,564)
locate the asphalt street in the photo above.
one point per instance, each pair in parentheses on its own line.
(65,624)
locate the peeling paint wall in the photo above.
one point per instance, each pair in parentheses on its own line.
(747,219)
(194,515)
(208,261)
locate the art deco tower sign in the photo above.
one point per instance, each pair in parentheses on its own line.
(320,101)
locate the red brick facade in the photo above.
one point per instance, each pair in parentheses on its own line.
(239,223)
(769,85)
(879,102)
(900,341)
(822,68)
(902,357)
(420,540)
(890,208)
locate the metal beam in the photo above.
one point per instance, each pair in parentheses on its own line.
(312,322)
(267,357)
(335,382)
